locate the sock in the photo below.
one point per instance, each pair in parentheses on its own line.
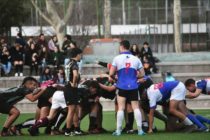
(41,122)
(120,117)
(16,68)
(21,68)
(92,121)
(138,118)
(195,121)
(26,124)
(4,129)
(187,121)
(130,120)
(202,119)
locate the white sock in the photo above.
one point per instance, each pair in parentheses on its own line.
(138,118)
(30,122)
(187,121)
(120,117)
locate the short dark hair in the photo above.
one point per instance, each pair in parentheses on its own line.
(125,44)
(29,79)
(188,82)
(146,43)
(68,36)
(94,84)
(75,52)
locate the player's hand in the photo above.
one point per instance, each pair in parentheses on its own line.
(111,80)
(141,80)
(54,85)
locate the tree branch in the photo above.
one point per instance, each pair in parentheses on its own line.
(69,11)
(52,12)
(41,13)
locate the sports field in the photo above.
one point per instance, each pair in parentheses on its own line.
(109,124)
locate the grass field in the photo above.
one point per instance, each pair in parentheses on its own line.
(109,124)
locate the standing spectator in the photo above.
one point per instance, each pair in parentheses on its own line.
(6,61)
(135,50)
(66,42)
(53,43)
(17,58)
(41,42)
(56,57)
(129,69)
(45,75)
(146,51)
(19,39)
(68,52)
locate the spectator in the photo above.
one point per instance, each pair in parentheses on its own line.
(30,41)
(45,75)
(19,39)
(135,50)
(17,58)
(68,52)
(146,51)
(147,65)
(41,42)
(6,61)
(33,58)
(44,57)
(59,77)
(66,42)
(56,57)
(53,43)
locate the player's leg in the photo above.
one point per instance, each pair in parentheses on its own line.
(44,112)
(134,98)
(129,118)
(69,119)
(13,115)
(121,100)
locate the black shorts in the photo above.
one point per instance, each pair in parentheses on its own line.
(71,95)
(43,102)
(130,95)
(5,107)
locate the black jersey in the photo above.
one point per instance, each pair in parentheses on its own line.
(69,68)
(103,93)
(14,95)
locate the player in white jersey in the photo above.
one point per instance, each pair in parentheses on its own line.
(128,68)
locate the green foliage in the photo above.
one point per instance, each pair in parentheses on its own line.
(12,13)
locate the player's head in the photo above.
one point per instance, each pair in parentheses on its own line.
(76,53)
(124,45)
(190,85)
(30,83)
(93,87)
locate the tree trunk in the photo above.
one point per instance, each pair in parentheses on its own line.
(107,18)
(177,26)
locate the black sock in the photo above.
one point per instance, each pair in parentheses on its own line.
(4,129)
(92,122)
(130,120)
(16,68)
(21,68)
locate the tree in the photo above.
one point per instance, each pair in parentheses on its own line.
(54,19)
(177,26)
(12,14)
(107,18)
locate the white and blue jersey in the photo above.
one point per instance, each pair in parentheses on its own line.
(162,92)
(127,66)
(204,85)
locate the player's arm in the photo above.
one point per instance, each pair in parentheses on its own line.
(107,88)
(111,73)
(75,77)
(33,97)
(141,72)
(151,119)
(191,95)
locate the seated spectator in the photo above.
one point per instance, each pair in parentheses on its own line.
(59,76)
(56,56)
(68,52)
(19,39)
(17,59)
(30,41)
(52,44)
(135,50)
(6,61)
(146,51)
(45,75)
(44,57)
(41,42)
(147,65)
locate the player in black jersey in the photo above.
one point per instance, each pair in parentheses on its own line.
(10,97)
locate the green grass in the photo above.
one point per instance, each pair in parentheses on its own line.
(109,124)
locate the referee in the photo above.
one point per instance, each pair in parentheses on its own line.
(128,68)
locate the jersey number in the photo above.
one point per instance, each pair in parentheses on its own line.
(127,66)
(158,86)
